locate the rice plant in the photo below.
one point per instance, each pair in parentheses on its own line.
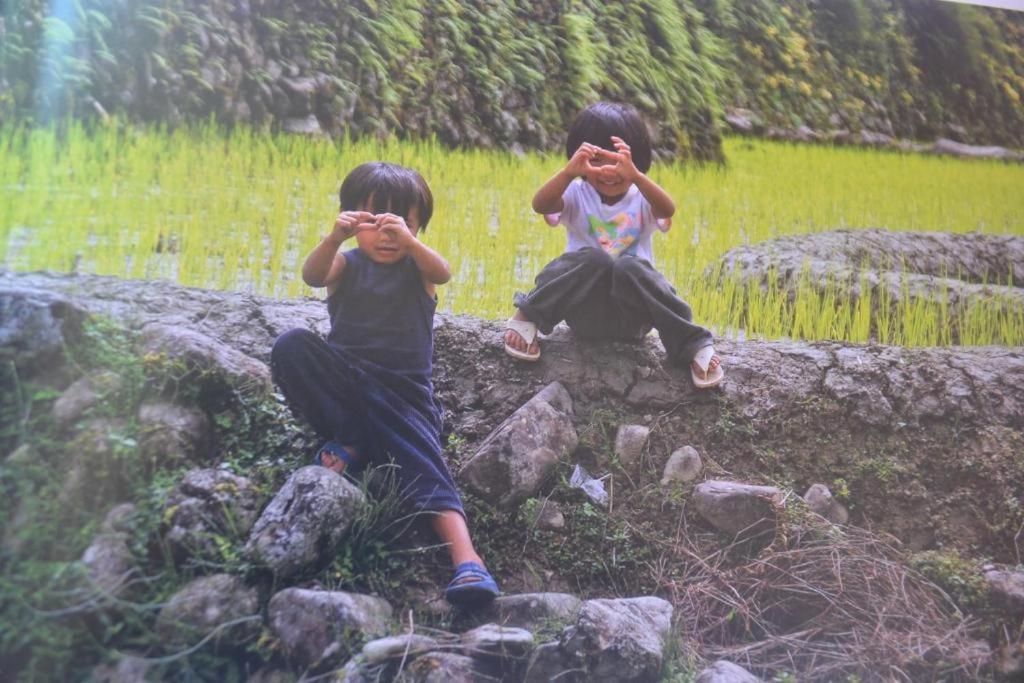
(240,210)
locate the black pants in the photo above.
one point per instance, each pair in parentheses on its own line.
(601,297)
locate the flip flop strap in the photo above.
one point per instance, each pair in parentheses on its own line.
(470,569)
(703,358)
(524,328)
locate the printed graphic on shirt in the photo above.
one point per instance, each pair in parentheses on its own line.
(616,235)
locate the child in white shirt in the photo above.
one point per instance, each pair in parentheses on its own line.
(605,286)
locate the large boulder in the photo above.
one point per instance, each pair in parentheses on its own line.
(303,525)
(1006,590)
(204,507)
(220,605)
(172,433)
(109,562)
(536,611)
(321,627)
(83,394)
(621,640)
(737,508)
(443,667)
(726,672)
(512,463)
(206,357)
(35,325)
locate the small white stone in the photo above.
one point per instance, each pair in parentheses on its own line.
(684,465)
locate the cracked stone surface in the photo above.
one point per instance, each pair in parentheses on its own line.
(926,438)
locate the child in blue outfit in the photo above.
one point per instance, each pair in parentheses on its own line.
(605,286)
(367,388)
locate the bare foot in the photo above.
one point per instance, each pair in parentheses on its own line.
(516,341)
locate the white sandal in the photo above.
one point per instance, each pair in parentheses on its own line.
(703,360)
(526,330)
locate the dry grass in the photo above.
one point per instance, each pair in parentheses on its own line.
(824,603)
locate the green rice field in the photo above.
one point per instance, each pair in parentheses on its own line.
(240,211)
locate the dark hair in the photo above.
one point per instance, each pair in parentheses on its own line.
(600,121)
(390,188)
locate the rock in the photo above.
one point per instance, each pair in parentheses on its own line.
(317,627)
(172,433)
(206,605)
(726,672)
(549,662)
(303,525)
(441,667)
(269,675)
(128,669)
(873,139)
(536,611)
(1006,590)
(820,499)
(1009,661)
(515,459)
(108,560)
(207,357)
(91,473)
(408,645)
(502,641)
(953,148)
(16,529)
(683,466)
(549,517)
(35,325)
(83,394)
(621,640)
(742,120)
(21,456)
(207,504)
(734,508)
(630,442)
(305,125)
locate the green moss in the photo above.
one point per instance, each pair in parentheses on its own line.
(960,578)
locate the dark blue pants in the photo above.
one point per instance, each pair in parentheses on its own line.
(622,298)
(384,414)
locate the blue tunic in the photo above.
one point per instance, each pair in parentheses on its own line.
(369,385)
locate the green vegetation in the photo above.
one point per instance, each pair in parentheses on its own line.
(240,210)
(512,73)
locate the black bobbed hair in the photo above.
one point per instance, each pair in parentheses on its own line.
(389,188)
(597,124)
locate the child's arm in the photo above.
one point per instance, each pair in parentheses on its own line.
(549,197)
(324,265)
(433,267)
(662,205)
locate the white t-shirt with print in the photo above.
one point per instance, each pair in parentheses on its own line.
(624,227)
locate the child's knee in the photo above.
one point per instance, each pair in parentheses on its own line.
(595,257)
(630,268)
(289,344)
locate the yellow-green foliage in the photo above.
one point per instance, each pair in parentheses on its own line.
(240,211)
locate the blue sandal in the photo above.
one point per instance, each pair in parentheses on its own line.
(481,586)
(337,450)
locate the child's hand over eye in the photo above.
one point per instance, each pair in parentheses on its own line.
(349,223)
(623,158)
(395,228)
